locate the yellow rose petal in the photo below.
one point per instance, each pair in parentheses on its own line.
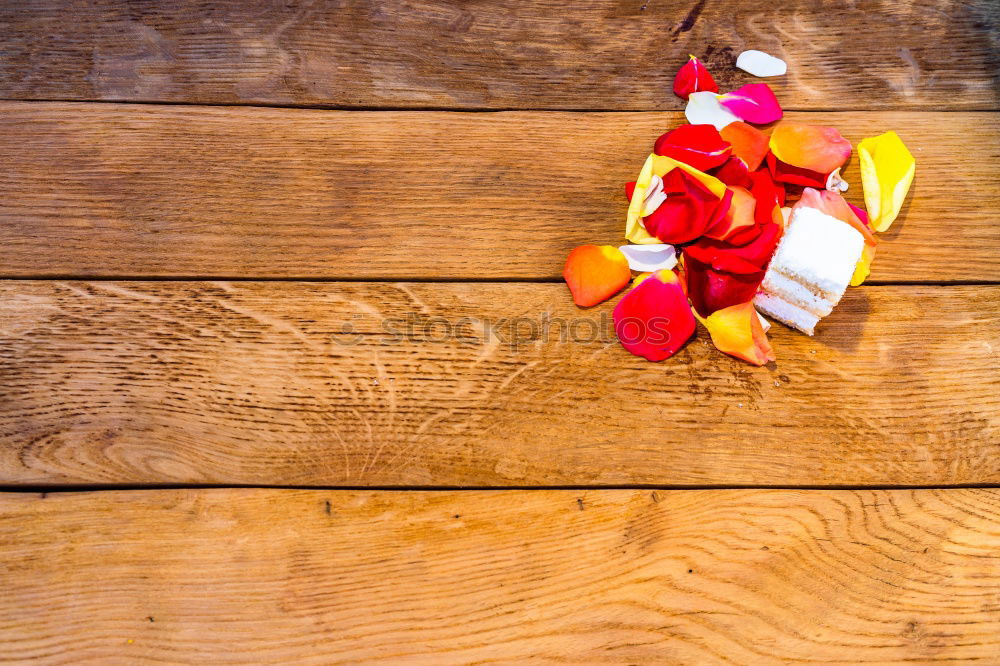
(887,169)
(863,267)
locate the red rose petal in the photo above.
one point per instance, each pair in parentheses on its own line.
(786,173)
(693,77)
(689,209)
(734,173)
(653,320)
(700,146)
(711,289)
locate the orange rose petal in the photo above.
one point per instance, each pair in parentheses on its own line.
(737,331)
(814,147)
(740,215)
(595,273)
(749,143)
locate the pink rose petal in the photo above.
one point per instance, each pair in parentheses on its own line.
(754,103)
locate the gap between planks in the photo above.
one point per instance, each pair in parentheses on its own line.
(86,488)
(449,109)
(418,280)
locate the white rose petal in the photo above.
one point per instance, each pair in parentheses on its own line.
(649,258)
(654,196)
(765,324)
(703,108)
(835,182)
(761,64)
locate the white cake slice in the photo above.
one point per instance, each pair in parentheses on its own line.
(810,269)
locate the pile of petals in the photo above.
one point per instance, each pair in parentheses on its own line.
(707,211)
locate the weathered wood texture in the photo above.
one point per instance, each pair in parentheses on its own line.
(137,191)
(447,384)
(606,54)
(623,577)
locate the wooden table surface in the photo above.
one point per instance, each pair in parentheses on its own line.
(288,375)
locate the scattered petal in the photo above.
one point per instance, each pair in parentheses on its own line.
(834,205)
(692,78)
(703,108)
(792,175)
(689,209)
(657,165)
(863,267)
(697,145)
(761,64)
(749,143)
(812,147)
(654,196)
(734,173)
(711,289)
(769,196)
(595,273)
(737,331)
(740,215)
(835,183)
(754,103)
(861,213)
(887,169)
(750,257)
(764,324)
(648,258)
(653,320)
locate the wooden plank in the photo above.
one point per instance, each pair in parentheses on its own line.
(605,54)
(447,384)
(614,576)
(138,191)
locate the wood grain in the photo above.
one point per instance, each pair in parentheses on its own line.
(480,384)
(603,54)
(138,191)
(501,577)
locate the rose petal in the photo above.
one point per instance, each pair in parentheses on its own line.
(761,64)
(813,147)
(657,165)
(654,196)
(887,169)
(863,267)
(834,205)
(704,108)
(764,324)
(792,175)
(835,182)
(750,257)
(692,77)
(595,273)
(689,209)
(739,216)
(697,145)
(749,143)
(737,331)
(754,103)
(733,173)
(648,258)
(769,196)
(711,289)
(654,320)
(861,213)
